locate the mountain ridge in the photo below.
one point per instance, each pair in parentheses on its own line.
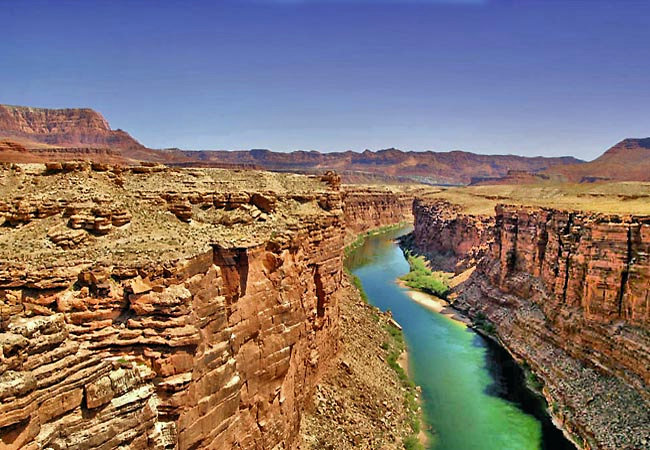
(84,128)
(628,160)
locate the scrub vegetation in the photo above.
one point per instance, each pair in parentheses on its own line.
(422,278)
(394,349)
(612,198)
(356,282)
(484,324)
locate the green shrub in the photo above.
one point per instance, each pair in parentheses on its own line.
(394,348)
(412,443)
(422,278)
(484,324)
(534,382)
(356,282)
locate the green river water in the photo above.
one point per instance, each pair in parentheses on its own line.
(473,393)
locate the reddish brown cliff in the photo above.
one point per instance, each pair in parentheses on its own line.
(84,128)
(568,294)
(365,208)
(629,160)
(455,167)
(162,327)
(74,127)
(453,240)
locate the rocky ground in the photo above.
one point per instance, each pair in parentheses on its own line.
(361,402)
(149,307)
(73,213)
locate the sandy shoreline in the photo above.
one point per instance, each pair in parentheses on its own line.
(436,304)
(439,306)
(403,361)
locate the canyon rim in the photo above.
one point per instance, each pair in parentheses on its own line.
(324,225)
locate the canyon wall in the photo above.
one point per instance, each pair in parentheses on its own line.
(217,349)
(453,240)
(365,208)
(567,293)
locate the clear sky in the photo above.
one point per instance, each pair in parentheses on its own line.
(552,77)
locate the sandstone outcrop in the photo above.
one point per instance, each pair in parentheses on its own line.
(165,333)
(567,292)
(629,160)
(64,127)
(456,241)
(368,207)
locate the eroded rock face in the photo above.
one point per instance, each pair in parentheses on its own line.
(455,240)
(217,349)
(70,126)
(568,294)
(221,353)
(366,208)
(594,265)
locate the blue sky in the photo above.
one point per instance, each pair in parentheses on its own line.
(522,77)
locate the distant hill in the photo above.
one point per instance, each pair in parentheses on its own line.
(81,127)
(39,134)
(456,167)
(629,160)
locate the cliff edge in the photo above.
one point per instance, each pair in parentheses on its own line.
(567,294)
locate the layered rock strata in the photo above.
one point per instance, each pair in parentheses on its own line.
(567,292)
(30,134)
(454,240)
(367,207)
(66,127)
(167,332)
(359,403)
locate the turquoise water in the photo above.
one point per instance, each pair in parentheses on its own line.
(470,388)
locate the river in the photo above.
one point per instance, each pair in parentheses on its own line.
(473,393)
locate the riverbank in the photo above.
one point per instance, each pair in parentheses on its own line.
(462,382)
(479,324)
(362,401)
(353,241)
(435,304)
(366,398)
(485,329)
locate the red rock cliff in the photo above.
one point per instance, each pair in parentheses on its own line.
(219,349)
(568,294)
(454,240)
(70,127)
(365,208)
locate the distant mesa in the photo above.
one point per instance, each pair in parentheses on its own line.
(80,127)
(41,135)
(629,160)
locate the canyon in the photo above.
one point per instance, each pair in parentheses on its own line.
(566,292)
(149,302)
(369,207)
(152,307)
(157,307)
